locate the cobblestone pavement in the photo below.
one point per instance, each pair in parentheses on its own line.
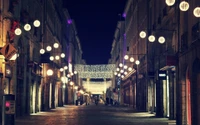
(91,115)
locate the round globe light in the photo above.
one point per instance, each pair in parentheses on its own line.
(119,74)
(68,75)
(130,68)
(151,38)
(196,12)
(56,45)
(57,57)
(18,31)
(75,72)
(184,6)
(36,23)
(142,34)
(71,83)
(115,73)
(161,39)
(65,67)
(76,87)
(62,55)
(126,57)
(125,66)
(120,65)
(122,76)
(27,27)
(122,71)
(64,79)
(125,73)
(131,59)
(61,69)
(137,62)
(117,69)
(51,58)
(49,72)
(48,48)
(170,2)
(42,51)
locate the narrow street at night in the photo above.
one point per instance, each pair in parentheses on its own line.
(92,115)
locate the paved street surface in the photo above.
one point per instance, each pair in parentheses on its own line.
(91,115)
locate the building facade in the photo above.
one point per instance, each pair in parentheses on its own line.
(166,80)
(27,76)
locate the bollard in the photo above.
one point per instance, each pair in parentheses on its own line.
(8,112)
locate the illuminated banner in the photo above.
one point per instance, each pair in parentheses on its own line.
(95,71)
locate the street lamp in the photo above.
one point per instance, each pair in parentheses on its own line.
(170,2)
(196,12)
(76,87)
(184,6)
(49,72)
(27,27)
(152,38)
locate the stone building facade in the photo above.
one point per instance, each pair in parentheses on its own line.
(166,81)
(26,77)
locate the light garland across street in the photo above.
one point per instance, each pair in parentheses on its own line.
(95,71)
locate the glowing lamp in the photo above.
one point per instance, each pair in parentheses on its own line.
(131,59)
(42,51)
(151,38)
(48,48)
(120,65)
(57,57)
(184,6)
(196,12)
(56,45)
(36,23)
(129,69)
(51,58)
(125,66)
(126,57)
(161,39)
(170,2)
(76,87)
(27,27)
(68,75)
(65,67)
(62,55)
(142,34)
(61,69)
(49,72)
(18,31)
(71,83)
(137,62)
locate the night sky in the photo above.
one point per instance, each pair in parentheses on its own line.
(96,21)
